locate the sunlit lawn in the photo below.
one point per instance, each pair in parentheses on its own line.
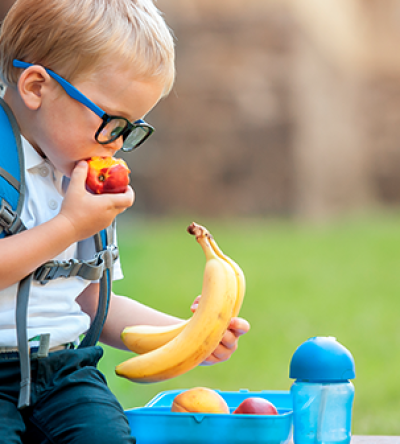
(340,280)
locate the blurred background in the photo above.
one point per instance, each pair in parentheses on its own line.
(280,108)
(281,136)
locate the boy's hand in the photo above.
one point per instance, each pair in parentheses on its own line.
(229,343)
(89,213)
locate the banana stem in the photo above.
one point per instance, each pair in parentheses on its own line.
(202,236)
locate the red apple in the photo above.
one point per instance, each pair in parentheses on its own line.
(256,406)
(107,175)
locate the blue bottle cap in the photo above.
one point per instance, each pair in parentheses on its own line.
(322,359)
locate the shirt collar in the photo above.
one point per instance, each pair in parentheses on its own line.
(33,162)
(32,158)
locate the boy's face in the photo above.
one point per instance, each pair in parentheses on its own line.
(65,130)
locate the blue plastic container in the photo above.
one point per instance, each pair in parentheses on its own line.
(156,424)
(322,393)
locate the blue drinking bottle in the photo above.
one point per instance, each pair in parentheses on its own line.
(322,393)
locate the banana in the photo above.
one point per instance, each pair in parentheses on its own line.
(144,338)
(241,282)
(202,333)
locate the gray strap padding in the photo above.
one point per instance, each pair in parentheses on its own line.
(91,270)
(44,346)
(22,341)
(94,332)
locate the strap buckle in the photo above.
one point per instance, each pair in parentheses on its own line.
(91,270)
(109,255)
(9,219)
(56,269)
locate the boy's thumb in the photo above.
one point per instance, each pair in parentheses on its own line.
(79,173)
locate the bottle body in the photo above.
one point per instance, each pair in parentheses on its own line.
(322,412)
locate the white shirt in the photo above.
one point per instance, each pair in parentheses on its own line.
(52,307)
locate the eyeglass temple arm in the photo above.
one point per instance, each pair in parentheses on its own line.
(69,89)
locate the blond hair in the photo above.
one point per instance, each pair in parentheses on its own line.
(77,38)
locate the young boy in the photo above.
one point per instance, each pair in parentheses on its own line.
(119,54)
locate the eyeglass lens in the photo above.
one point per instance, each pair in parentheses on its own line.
(116,127)
(111,130)
(137,136)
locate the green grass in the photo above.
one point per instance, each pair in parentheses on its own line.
(340,280)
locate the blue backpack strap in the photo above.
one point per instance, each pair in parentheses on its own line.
(12,173)
(12,193)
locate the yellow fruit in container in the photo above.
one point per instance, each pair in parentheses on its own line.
(199,400)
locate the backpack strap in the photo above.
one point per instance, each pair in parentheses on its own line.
(22,340)
(107,254)
(91,270)
(12,173)
(12,193)
(103,240)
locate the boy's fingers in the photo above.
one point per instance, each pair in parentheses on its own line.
(79,173)
(229,340)
(195,304)
(81,166)
(124,199)
(239,326)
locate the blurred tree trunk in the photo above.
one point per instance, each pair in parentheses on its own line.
(345,58)
(331,152)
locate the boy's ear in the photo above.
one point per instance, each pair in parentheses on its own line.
(32,83)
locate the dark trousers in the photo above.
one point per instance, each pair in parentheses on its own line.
(70,402)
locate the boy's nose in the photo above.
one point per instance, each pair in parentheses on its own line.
(115,146)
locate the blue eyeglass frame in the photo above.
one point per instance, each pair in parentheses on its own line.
(80,97)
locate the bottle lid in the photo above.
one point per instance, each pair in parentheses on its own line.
(322,359)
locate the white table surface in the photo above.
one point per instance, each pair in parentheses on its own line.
(375,440)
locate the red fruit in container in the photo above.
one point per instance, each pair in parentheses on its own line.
(256,406)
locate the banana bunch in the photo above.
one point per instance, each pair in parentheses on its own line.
(169,351)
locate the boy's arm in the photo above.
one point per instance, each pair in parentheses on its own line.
(82,214)
(22,253)
(124,312)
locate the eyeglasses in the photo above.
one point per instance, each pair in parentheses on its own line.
(112,127)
